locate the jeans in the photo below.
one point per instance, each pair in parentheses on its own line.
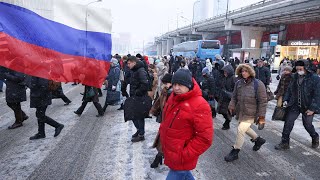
(179,175)
(139,124)
(291,116)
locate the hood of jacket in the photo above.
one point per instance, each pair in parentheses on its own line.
(229,69)
(247,67)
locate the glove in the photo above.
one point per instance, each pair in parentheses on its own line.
(260,122)
(278,77)
(284,104)
(113,88)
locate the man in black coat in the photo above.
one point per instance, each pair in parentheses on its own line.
(302,97)
(138,87)
(263,73)
(15,94)
(41,98)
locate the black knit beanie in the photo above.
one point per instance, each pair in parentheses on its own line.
(167,78)
(183,77)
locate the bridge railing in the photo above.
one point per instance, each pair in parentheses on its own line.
(242,9)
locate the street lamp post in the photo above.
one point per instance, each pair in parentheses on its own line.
(190,26)
(86,22)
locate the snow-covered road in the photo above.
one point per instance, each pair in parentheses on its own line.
(100,148)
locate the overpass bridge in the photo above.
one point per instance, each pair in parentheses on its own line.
(251,20)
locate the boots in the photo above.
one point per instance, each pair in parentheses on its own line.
(15,125)
(41,134)
(135,134)
(258,143)
(315,142)
(37,136)
(138,138)
(121,107)
(233,155)
(58,130)
(226,125)
(157,161)
(282,146)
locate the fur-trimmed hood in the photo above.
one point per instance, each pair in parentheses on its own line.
(248,67)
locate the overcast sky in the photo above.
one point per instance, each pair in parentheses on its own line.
(145,19)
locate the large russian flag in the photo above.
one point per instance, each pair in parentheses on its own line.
(61,46)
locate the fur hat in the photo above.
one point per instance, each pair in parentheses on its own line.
(247,67)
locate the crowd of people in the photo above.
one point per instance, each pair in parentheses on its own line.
(184,95)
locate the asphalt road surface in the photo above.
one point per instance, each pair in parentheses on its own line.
(100,148)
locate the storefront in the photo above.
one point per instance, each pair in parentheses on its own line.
(301,49)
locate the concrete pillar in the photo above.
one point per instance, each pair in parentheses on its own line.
(177,40)
(169,45)
(251,39)
(164,48)
(159,48)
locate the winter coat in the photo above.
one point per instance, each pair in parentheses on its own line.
(283,85)
(263,74)
(158,105)
(127,72)
(208,88)
(138,81)
(176,64)
(154,84)
(40,95)
(186,130)
(195,68)
(226,90)
(113,77)
(16,89)
(244,99)
(58,93)
(310,99)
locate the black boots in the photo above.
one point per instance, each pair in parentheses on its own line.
(15,125)
(58,130)
(226,125)
(157,161)
(38,136)
(258,143)
(315,142)
(233,155)
(121,107)
(135,134)
(282,146)
(138,138)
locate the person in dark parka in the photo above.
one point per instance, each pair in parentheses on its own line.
(225,94)
(41,98)
(112,79)
(302,97)
(208,88)
(138,87)
(90,94)
(15,94)
(263,73)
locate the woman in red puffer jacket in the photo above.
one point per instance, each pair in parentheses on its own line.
(187,128)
